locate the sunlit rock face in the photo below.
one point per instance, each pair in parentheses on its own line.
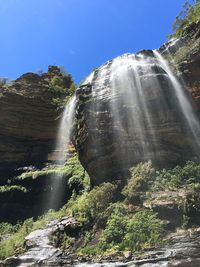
(134,109)
(28,118)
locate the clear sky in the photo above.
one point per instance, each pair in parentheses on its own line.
(79,34)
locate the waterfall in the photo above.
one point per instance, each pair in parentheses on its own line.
(65,130)
(138,111)
(63,139)
(184,102)
(126,80)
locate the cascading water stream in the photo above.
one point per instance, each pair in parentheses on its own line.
(138,111)
(185,105)
(128,80)
(65,130)
(125,76)
(39,244)
(61,149)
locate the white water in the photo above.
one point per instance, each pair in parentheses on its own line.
(142,96)
(65,131)
(127,73)
(62,151)
(185,105)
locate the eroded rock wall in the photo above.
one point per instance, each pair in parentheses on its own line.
(111,140)
(28,117)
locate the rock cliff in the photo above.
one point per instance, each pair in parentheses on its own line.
(29,117)
(30,111)
(130,110)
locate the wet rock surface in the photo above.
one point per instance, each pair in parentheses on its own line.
(184,55)
(119,126)
(25,198)
(39,248)
(29,120)
(182,249)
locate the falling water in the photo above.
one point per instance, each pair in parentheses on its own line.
(185,105)
(145,110)
(61,148)
(65,130)
(126,79)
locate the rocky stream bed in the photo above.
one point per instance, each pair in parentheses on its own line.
(182,249)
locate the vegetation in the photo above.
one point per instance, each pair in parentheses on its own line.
(9,188)
(190,13)
(57,85)
(9,245)
(143,230)
(141,176)
(187,176)
(77,178)
(13,236)
(109,222)
(128,233)
(61,86)
(7,229)
(90,206)
(116,228)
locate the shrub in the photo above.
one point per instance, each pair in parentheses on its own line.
(189,14)
(178,177)
(16,234)
(89,207)
(141,177)
(115,230)
(79,179)
(89,250)
(143,230)
(62,88)
(8,246)
(7,229)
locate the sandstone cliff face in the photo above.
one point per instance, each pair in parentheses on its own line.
(30,112)
(184,55)
(28,118)
(119,126)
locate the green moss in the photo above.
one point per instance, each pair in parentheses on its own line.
(62,171)
(9,188)
(89,250)
(73,171)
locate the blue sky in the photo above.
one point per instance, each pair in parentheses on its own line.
(79,34)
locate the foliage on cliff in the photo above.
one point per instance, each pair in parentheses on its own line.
(55,86)
(189,14)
